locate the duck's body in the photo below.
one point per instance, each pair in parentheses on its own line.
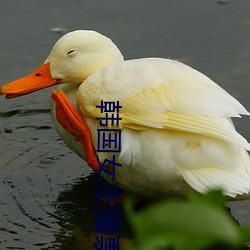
(157,160)
(176,123)
(151,184)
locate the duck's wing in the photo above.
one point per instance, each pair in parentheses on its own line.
(164,94)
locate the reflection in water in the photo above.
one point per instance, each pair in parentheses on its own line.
(76,206)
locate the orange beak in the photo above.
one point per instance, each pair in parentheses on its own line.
(41,78)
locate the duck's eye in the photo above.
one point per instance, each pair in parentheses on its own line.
(70,52)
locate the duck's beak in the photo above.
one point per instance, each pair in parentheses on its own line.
(41,78)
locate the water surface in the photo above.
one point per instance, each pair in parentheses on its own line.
(46,190)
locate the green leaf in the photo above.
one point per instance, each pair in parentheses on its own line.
(175,223)
(212,197)
(245,234)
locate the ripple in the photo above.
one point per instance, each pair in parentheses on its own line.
(26,112)
(8,131)
(34,214)
(7,230)
(48,160)
(35,127)
(29,220)
(65,209)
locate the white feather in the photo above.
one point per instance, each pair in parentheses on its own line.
(176,129)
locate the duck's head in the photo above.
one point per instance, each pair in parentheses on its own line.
(73,58)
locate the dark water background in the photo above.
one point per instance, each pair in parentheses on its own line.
(45,190)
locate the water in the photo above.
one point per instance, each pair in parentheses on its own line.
(46,190)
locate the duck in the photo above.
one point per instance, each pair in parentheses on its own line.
(175,126)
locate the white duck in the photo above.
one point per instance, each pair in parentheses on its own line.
(176,125)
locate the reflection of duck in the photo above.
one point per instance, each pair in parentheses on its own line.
(175,123)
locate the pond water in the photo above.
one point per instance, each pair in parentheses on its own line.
(46,190)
